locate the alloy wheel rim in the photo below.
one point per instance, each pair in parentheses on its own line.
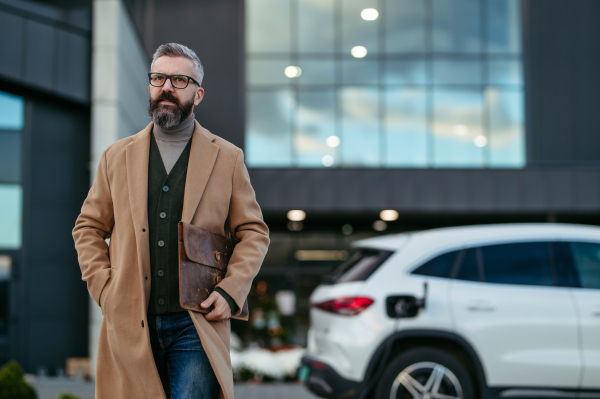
(427,380)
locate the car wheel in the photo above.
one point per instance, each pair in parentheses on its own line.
(425,373)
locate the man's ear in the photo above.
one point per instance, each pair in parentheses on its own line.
(199,96)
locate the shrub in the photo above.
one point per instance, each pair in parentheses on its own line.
(68,396)
(12,384)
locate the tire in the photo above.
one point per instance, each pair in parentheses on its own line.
(421,364)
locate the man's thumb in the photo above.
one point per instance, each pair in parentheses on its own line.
(209,301)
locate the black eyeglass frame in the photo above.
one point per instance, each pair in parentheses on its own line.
(169,77)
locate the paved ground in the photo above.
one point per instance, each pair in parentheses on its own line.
(51,388)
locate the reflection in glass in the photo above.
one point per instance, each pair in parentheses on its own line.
(268,129)
(507,139)
(10,156)
(267,72)
(11,208)
(503,26)
(268,26)
(405,26)
(316,71)
(505,72)
(11,112)
(456,26)
(355,30)
(315,123)
(456,71)
(405,72)
(457,121)
(360,128)
(360,71)
(406,127)
(316,33)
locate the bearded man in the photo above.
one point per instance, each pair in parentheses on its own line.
(174,169)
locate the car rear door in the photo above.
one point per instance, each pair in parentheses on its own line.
(586,257)
(506,302)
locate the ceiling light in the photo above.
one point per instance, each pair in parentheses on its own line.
(369,14)
(294,226)
(296,215)
(292,71)
(379,225)
(316,255)
(389,215)
(347,229)
(358,51)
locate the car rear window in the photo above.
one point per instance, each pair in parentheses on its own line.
(522,263)
(358,267)
(440,266)
(587,262)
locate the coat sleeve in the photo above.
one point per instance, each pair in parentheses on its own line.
(93,225)
(246,223)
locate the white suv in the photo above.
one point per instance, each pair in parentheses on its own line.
(492,311)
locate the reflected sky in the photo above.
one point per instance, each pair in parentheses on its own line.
(11,200)
(441,84)
(11,112)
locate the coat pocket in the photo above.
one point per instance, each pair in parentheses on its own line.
(105,291)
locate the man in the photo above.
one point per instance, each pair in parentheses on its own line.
(173,170)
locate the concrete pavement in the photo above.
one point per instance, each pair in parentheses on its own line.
(51,388)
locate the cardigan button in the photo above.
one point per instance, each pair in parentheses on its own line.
(165,188)
(161,301)
(161,243)
(163,215)
(161,273)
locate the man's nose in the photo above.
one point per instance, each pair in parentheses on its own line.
(168,86)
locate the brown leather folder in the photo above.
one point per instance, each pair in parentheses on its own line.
(203,260)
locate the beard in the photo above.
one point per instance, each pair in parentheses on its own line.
(169,116)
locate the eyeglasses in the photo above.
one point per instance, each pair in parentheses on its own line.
(177,81)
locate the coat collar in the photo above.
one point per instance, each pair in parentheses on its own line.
(203,155)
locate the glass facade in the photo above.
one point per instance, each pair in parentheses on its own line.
(384,83)
(11,124)
(11,202)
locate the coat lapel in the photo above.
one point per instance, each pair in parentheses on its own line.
(137,155)
(202,160)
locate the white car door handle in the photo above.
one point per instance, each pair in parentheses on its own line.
(474,308)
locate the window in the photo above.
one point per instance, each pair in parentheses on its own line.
(359,266)
(440,266)
(470,265)
(11,124)
(418,84)
(587,262)
(521,263)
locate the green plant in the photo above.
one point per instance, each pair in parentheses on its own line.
(12,384)
(68,395)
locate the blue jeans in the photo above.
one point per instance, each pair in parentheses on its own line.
(182,364)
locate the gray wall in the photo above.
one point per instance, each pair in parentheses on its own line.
(562,64)
(49,302)
(46,49)
(45,58)
(215,31)
(533,190)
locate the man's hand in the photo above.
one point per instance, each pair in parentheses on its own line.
(221,310)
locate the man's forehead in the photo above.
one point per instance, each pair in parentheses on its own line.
(173,65)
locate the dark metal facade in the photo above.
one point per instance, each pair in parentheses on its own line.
(45,58)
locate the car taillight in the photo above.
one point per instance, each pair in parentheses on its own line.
(345,306)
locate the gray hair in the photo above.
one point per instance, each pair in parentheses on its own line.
(179,50)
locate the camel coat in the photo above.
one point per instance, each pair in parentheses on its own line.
(118,275)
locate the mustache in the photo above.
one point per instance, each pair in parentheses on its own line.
(166,96)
